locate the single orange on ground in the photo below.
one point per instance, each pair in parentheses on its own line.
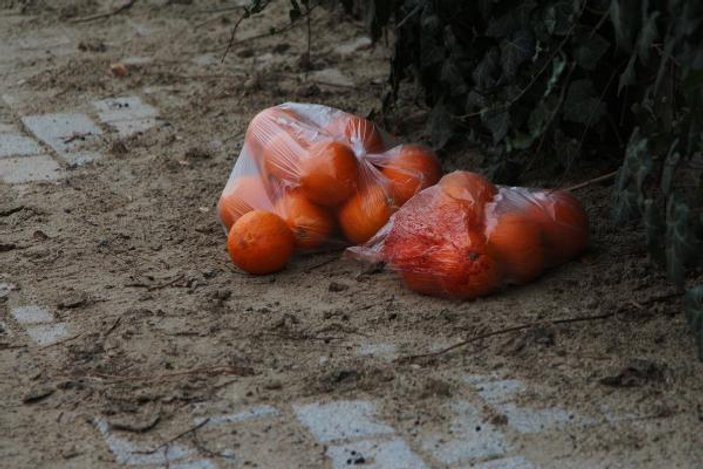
(516,242)
(329,173)
(282,155)
(265,125)
(365,213)
(564,223)
(410,169)
(248,192)
(311,225)
(362,133)
(260,243)
(471,190)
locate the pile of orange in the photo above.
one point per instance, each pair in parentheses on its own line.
(307,177)
(465,237)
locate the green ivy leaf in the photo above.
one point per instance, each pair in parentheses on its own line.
(589,49)
(295,12)
(441,125)
(678,244)
(670,165)
(514,51)
(558,65)
(654,230)
(582,104)
(648,34)
(497,120)
(625,15)
(693,307)
(484,75)
(627,77)
(559,17)
(451,77)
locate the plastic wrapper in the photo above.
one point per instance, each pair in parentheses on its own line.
(465,237)
(334,179)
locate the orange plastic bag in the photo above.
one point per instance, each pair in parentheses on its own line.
(331,177)
(465,237)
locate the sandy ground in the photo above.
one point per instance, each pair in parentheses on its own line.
(127,338)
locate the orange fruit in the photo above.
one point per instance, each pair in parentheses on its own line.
(328,174)
(264,126)
(311,225)
(467,273)
(463,271)
(423,282)
(365,213)
(362,133)
(260,243)
(247,192)
(471,190)
(410,169)
(564,223)
(516,242)
(282,155)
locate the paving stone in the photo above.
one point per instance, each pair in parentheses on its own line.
(31,314)
(471,437)
(47,334)
(8,129)
(385,351)
(500,391)
(205,60)
(137,61)
(128,115)
(354,45)
(249,414)
(332,76)
(6,288)
(124,108)
(198,464)
(394,454)
(130,127)
(514,462)
(527,420)
(81,159)
(18,145)
(127,452)
(341,420)
(64,132)
(24,169)
(5,330)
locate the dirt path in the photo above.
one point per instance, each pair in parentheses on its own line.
(126,338)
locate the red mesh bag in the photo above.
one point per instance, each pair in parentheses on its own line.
(465,237)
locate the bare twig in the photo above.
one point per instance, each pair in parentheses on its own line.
(230,43)
(321,264)
(335,85)
(113,327)
(598,179)
(639,305)
(177,437)
(72,338)
(412,13)
(508,330)
(125,6)
(272,32)
(202,447)
(213,370)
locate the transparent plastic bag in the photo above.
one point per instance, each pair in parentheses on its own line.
(465,237)
(334,179)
